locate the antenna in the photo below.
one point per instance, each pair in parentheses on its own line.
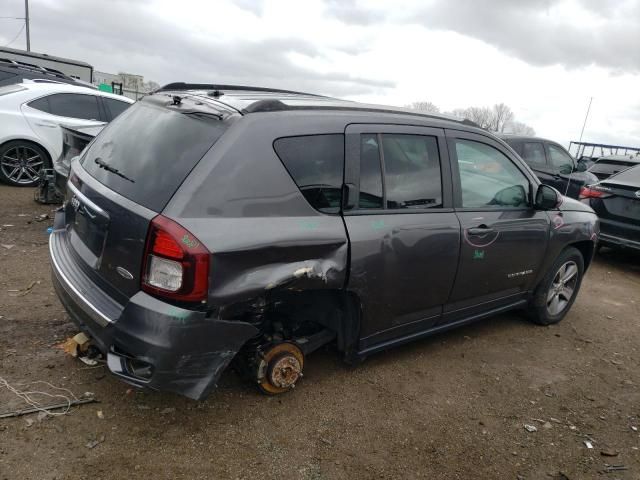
(579,141)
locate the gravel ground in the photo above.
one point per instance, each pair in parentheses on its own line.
(451,406)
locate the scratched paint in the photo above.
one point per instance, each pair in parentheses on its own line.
(309,224)
(480,243)
(377,224)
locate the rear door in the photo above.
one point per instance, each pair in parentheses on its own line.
(503,238)
(403,231)
(47,113)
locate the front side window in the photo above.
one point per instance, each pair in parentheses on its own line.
(74,106)
(560,160)
(316,164)
(533,153)
(488,178)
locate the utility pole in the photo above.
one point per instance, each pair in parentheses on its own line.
(26,21)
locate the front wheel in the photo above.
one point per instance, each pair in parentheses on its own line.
(558,289)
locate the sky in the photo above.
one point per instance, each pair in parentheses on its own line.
(543,58)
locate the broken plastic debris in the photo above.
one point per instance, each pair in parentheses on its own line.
(530,428)
(588,444)
(77,344)
(88,361)
(7,246)
(100,415)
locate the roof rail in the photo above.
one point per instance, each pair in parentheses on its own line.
(213,86)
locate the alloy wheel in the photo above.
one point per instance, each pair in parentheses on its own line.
(21,165)
(563,288)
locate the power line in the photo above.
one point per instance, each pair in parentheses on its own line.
(16,37)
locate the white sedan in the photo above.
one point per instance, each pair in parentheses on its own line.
(30,119)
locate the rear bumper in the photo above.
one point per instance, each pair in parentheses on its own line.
(614,241)
(185,351)
(619,234)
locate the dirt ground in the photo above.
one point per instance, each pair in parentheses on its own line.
(452,406)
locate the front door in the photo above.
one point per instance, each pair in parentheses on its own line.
(503,237)
(404,234)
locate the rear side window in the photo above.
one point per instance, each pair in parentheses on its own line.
(409,166)
(115,107)
(411,171)
(370,173)
(41,104)
(316,163)
(74,106)
(533,153)
(153,149)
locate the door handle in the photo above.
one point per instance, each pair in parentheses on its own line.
(481,230)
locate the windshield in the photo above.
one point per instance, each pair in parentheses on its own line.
(147,152)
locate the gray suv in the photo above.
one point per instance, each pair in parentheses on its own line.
(211,225)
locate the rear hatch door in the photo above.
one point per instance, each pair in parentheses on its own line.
(124,179)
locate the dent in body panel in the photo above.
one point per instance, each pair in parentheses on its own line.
(570,228)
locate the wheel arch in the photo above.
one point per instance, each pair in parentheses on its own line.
(586,249)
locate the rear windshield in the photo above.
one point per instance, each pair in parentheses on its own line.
(148,151)
(629,175)
(609,167)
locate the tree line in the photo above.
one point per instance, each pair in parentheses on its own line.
(498,118)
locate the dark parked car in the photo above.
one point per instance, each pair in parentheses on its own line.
(616,200)
(604,167)
(235,223)
(53,181)
(552,164)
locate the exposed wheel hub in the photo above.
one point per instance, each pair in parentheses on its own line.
(284,371)
(280,368)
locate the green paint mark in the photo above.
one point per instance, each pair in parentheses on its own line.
(178,314)
(378,224)
(478,254)
(308,224)
(190,242)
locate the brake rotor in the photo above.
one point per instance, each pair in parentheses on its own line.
(280,368)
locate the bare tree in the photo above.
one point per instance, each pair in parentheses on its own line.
(520,128)
(501,117)
(424,106)
(481,116)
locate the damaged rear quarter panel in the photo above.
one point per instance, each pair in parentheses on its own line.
(241,203)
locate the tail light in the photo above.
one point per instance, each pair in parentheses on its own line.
(176,264)
(590,192)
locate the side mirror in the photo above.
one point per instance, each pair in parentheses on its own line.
(581,166)
(547,198)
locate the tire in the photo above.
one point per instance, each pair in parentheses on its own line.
(21,162)
(553,298)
